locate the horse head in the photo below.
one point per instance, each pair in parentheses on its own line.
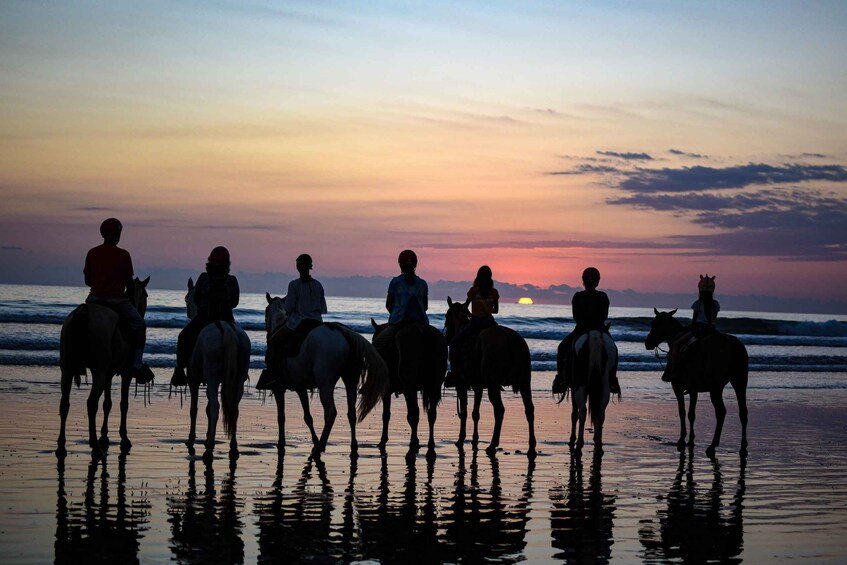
(662,329)
(275,314)
(456,318)
(190,306)
(378,328)
(137,294)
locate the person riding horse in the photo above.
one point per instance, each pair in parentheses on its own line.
(408,294)
(704,313)
(305,304)
(590,312)
(108,273)
(484,302)
(216,295)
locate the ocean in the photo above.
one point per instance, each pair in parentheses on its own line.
(31,318)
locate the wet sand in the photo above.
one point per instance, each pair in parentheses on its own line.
(643,501)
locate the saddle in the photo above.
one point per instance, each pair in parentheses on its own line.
(291,346)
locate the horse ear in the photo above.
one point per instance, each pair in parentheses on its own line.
(655,310)
(268,297)
(672,312)
(449,302)
(374,324)
(145,281)
(190,283)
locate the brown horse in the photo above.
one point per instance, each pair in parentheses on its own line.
(92,338)
(499,358)
(417,362)
(719,359)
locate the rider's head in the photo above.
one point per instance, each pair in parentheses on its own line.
(407,260)
(110,229)
(484,278)
(591,278)
(218,261)
(304,264)
(706,285)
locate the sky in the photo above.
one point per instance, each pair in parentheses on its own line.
(655,140)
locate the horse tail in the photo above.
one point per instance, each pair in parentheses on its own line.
(520,368)
(435,367)
(230,380)
(596,351)
(373,372)
(74,343)
(738,363)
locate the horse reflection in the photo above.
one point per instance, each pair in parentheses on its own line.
(582,520)
(296,526)
(206,529)
(99,530)
(696,527)
(482,525)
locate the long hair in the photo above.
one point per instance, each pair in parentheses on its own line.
(484,281)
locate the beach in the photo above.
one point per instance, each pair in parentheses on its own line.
(643,501)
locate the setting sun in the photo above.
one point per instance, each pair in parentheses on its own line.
(525,300)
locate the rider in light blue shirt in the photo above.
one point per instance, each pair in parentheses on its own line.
(408,294)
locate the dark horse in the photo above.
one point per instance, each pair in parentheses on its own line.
(718,359)
(500,357)
(417,362)
(91,337)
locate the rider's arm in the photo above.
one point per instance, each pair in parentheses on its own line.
(495,308)
(425,296)
(234,293)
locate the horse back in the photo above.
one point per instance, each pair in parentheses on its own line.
(503,358)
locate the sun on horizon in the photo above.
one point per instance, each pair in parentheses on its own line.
(525,300)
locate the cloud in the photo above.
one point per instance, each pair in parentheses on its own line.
(682,153)
(558,244)
(735,177)
(627,156)
(10,248)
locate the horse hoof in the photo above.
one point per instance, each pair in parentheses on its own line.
(126,445)
(598,451)
(208,455)
(460,442)
(710,452)
(354,454)
(531,453)
(430,454)
(491,450)
(410,456)
(61,452)
(103,442)
(234,454)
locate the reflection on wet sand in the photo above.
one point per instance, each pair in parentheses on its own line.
(98,530)
(695,527)
(414,520)
(205,529)
(582,520)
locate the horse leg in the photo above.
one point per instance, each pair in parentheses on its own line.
(307,415)
(92,404)
(741,395)
(194,391)
(126,445)
(692,415)
(432,414)
(497,402)
(683,428)
(350,388)
(107,409)
(233,423)
(413,416)
(582,412)
(213,409)
(529,410)
(330,413)
(64,408)
(386,416)
(477,401)
(599,420)
(279,395)
(462,400)
(574,419)
(720,415)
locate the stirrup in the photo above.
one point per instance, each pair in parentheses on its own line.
(179,377)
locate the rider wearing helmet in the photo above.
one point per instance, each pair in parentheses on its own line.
(216,295)
(590,311)
(108,272)
(305,300)
(705,311)
(408,294)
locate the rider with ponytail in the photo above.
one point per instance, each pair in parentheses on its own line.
(484,301)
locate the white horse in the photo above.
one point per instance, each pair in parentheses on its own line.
(329,352)
(595,357)
(92,338)
(220,358)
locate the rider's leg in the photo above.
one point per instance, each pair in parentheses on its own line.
(273,359)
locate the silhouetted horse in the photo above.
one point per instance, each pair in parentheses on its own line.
(717,360)
(91,337)
(500,357)
(220,358)
(329,352)
(417,361)
(595,358)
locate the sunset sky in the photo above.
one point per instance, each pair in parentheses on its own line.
(654,140)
